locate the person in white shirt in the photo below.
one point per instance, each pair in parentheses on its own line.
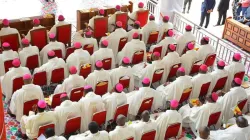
(78,58)
(28,92)
(133,16)
(165,26)
(28,51)
(91,21)
(7,30)
(50,135)
(61,22)
(7,81)
(205,49)
(189,58)
(36,23)
(150,27)
(112,18)
(122,131)
(183,40)
(168,118)
(103,53)
(7,54)
(136,29)
(53,45)
(235,67)
(204,133)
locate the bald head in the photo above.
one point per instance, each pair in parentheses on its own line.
(241,122)
(204,132)
(121,120)
(180,73)
(145,116)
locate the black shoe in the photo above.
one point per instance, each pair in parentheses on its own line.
(216,25)
(199,27)
(183,11)
(188,12)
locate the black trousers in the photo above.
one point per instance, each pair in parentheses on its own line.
(205,15)
(185,4)
(222,14)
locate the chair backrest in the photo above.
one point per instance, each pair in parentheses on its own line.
(142,16)
(157,75)
(69,51)
(220,84)
(239,75)
(27,106)
(138,57)
(99,117)
(146,105)
(172,131)
(39,38)
(76,94)
(89,48)
(107,63)
(101,87)
(17,84)
(124,82)
(58,53)
(12,39)
(122,43)
(44,127)
(185,95)
(153,37)
(100,27)
(7,65)
(149,135)
(32,62)
(213,118)
(158,49)
(241,104)
(195,67)
(85,70)
(40,78)
(72,125)
(209,61)
(130,138)
(57,75)
(63,34)
(56,101)
(173,71)
(204,89)
(122,17)
(123,109)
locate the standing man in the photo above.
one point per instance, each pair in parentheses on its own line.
(189,2)
(222,9)
(206,8)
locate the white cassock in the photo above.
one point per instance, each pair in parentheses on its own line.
(232,69)
(90,104)
(91,21)
(188,59)
(175,89)
(204,51)
(7,31)
(5,56)
(164,27)
(131,32)
(232,121)
(164,43)
(65,111)
(122,133)
(230,100)
(53,29)
(56,138)
(124,73)
(216,75)
(78,58)
(130,48)
(144,127)
(100,135)
(112,20)
(165,119)
(183,40)
(197,81)
(101,54)
(51,65)
(51,46)
(114,39)
(232,133)
(85,41)
(133,15)
(7,81)
(27,52)
(26,93)
(28,36)
(30,124)
(168,7)
(137,98)
(168,61)
(112,101)
(73,81)
(151,26)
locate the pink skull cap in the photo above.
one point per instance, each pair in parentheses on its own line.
(73,70)
(203,67)
(237,56)
(27,76)
(238,81)
(88,33)
(41,104)
(51,53)
(16,62)
(119,87)
(206,38)
(170,32)
(77,45)
(119,24)
(52,35)
(63,95)
(126,60)
(181,69)
(174,103)
(87,87)
(118,7)
(36,21)
(221,63)
(135,35)
(190,46)
(141,5)
(25,41)
(61,18)
(138,22)
(6,45)
(166,18)
(6,22)
(152,17)
(214,96)
(172,47)
(146,80)
(188,27)
(101,11)
(99,64)
(105,43)
(157,54)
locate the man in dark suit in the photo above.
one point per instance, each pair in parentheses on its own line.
(222,9)
(206,8)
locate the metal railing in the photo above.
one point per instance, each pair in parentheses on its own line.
(153,7)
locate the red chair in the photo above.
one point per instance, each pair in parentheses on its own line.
(72,125)
(40,78)
(138,57)
(204,89)
(173,71)
(63,34)
(12,39)
(100,27)
(158,49)
(122,43)
(32,62)
(56,101)
(89,48)
(121,110)
(27,107)
(85,70)
(209,61)
(69,51)
(7,65)
(76,94)
(17,84)
(43,128)
(157,75)
(146,105)
(39,38)
(131,138)
(122,17)
(57,75)
(172,131)
(107,63)
(142,16)
(58,53)
(241,104)
(99,117)
(213,119)
(220,84)
(101,88)
(239,75)
(148,135)
(185,95)
(153,37)
(195,68)
(124,82)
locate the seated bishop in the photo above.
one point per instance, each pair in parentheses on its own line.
(91,21)
(150,27)
(133,15)
(36,23)
(112,18)
(165,26)
(7,30)
(205,49)
(61,22)
(50,135)
(136,29)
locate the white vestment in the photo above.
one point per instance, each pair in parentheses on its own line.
(232,121)
(27,52)
(183,40)
(197,81)
(188,59)
(5,56)
(28,36)
(101,54)
(122,133)
(56,138)
(78,58)
(53,29)
(112,21)
(204,51)
(164,43)
(131,32)
(151,26)
(165,119)
(164,27)
(85,41)
(7,31)
(168,7)
(144,127)
(91,21)
(26,93)
(216,75)
(133,15)
(100,135)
